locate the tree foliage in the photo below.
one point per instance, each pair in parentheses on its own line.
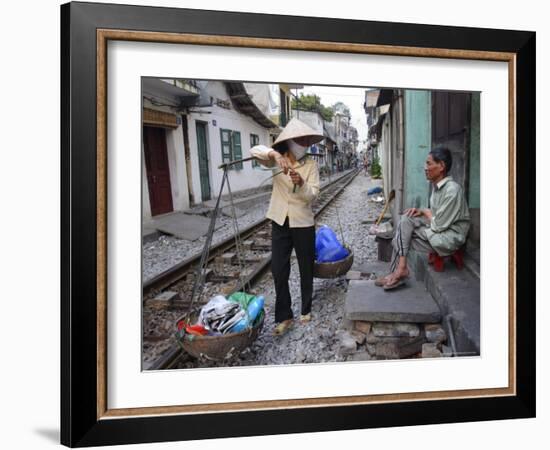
(375,168)
(341,108)
(312,102)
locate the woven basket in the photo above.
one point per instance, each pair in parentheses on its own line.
(333,269)
(219,348)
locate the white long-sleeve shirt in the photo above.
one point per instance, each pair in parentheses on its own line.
(284,202)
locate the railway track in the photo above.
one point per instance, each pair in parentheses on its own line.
(222,273)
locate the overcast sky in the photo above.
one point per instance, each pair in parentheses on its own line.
(352,97)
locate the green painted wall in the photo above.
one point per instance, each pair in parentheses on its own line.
(418,138)
(473,196)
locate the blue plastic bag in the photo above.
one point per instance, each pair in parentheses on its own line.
(374,190)
(255,306)
(327,246)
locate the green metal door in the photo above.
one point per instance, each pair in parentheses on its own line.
(203,161)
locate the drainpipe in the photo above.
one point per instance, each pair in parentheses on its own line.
(401,116)
(187,150)
(448,321)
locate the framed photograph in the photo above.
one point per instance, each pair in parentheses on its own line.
(174,125)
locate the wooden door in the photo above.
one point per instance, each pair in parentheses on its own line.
(451,129)
(203,161)
(158,171)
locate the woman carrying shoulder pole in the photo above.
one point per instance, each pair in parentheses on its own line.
(291,214)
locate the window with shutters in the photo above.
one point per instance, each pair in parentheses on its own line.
(231,147)
(254,140)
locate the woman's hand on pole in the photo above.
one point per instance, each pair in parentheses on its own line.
(296,178)
(281,161)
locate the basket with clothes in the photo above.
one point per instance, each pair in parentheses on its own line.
(223,327)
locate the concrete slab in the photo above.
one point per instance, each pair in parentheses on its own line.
(182,226)
(370,303)
(149,235)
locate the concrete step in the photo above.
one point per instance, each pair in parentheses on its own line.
(457,292)
(410,303)
(472,260)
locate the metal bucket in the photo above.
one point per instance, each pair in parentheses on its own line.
(333,269)
(220,348)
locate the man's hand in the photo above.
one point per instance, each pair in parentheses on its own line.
(296,178)
(281,161)
(417,212)
(413,212)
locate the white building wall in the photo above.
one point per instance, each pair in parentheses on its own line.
(245,178)
(178,175)
(313,119)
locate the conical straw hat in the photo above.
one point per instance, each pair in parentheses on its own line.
(298,129)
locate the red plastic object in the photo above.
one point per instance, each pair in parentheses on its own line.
(197,330)
(439,261)
(458,258)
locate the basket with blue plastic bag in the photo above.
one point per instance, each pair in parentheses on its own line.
(332,259)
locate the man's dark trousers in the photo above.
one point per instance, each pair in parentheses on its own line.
(283,239)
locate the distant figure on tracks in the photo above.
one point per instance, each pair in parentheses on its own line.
(440,229)
(290,211)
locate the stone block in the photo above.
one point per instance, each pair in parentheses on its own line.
(178,304)
(232,274)
(371,349)
(360,356)
(398,348)
(353,275)
(435,333)
(229,258)
(388,329)
(446,351)
(162,300)
(430,350)
(358,336)
(363,327)
(347,344)
(347,324)
(372,339)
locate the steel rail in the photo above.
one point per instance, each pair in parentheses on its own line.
(175,273)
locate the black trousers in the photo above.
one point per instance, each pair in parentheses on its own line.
(283,240)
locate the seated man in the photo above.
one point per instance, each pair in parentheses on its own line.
(442,229)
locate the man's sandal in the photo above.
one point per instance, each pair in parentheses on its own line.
(395,284)
(282,327)
(381,281)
